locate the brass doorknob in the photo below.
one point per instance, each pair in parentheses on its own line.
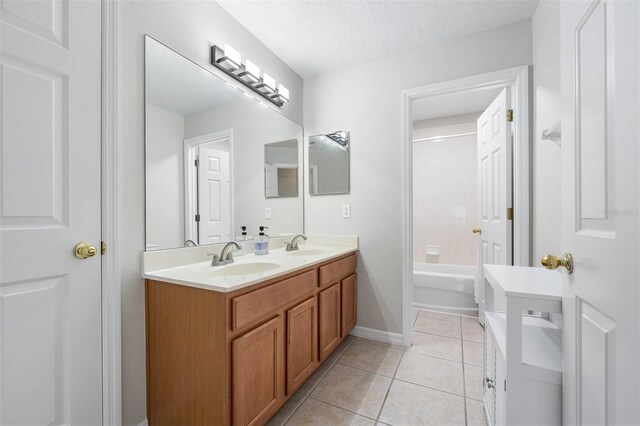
(554,262)
(476,231)
(84,250)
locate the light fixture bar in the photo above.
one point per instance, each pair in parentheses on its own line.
(249,75)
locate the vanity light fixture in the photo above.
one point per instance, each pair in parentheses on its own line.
(229,61)
(251,74)
(267,85)
(282,93)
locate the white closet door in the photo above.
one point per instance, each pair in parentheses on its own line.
(495,181)
(214,198)
(600,220)
(50,301)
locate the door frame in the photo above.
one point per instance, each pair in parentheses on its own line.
(190,189)
(111,280)
(517,79)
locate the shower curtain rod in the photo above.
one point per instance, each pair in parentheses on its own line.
(438,138)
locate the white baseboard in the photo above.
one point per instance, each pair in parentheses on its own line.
(143,423)
(377,335)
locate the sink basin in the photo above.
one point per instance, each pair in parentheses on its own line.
(310,252)
(246,268)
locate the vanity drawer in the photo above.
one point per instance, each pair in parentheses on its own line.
(256,304)
(339,269)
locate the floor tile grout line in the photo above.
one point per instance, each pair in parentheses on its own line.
(435,389)
(393,378)
(464,379)
(342,408)
(330,367)
(305,396)
(437,335)
(448,337)
(436,357)
(366,371)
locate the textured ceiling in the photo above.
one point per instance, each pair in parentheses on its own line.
(179,85)
(316,37)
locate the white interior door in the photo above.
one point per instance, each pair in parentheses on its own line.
(495,181)
(50,301)
(600,159)
(214,195)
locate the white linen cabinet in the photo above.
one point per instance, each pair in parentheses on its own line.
(522,353)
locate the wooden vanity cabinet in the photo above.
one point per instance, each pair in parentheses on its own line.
(302,343)
(258,373)
(235,358)
(348,304)
(329,323)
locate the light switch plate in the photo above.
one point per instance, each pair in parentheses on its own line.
(267,212)
(346,211)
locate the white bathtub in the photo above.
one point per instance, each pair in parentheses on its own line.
(444,288)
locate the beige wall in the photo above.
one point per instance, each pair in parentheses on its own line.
(445,193)
(546,106)
(366,100)
(188,27)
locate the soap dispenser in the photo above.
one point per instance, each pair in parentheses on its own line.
(262,242)
(243,240)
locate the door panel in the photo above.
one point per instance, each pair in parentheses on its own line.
(50,301)
(302,343)
(348,302)
(258,373)
(329,320)
(600,226)
(214,186)
(495,181)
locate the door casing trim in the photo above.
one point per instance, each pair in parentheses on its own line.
(111,283)
(517,79)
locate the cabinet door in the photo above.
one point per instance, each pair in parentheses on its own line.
(500,391)
(302,343)
(489,372)
(258,373)
(348,304)
(329,318)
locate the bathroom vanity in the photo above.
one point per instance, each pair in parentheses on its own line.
(229,347)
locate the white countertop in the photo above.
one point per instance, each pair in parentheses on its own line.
(524,281)
(185,266)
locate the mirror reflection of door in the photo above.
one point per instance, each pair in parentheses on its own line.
(281,169)
(214,195)
(208,187)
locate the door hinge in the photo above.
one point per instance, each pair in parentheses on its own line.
(197,218)
(509,115)
(103,247)
(197,162)
(505,385)
(510,213)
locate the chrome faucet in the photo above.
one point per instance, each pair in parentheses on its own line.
(190,243)
(226,255)
(293,245)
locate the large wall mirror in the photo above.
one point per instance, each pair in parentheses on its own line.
(208,145)
(329,163)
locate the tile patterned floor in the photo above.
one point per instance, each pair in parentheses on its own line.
(438,381)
